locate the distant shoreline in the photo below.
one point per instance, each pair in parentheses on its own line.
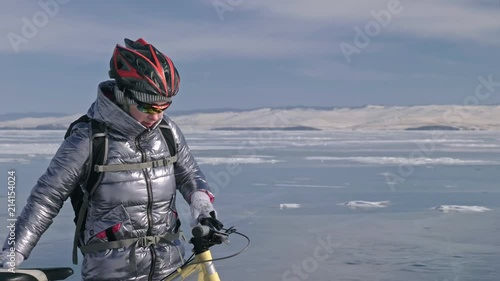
(434,128)
(369,118)
(293,128)
(38,128)
(297,128)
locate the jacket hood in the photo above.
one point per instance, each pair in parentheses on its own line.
(106,111)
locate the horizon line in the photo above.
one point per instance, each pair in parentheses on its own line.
(288,107)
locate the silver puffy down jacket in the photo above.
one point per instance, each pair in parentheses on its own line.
(137,203)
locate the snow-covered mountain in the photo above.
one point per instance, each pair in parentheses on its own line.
(365,118)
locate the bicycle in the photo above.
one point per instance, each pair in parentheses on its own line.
(200,261)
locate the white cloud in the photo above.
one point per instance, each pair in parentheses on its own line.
(87,36)
(265,29)
(446,19)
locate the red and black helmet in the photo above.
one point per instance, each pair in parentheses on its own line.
(140,68)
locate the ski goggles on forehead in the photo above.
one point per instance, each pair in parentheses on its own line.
(152,108)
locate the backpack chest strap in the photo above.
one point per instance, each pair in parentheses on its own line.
(136,166)
(143,242)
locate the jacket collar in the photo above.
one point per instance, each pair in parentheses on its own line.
(106,111)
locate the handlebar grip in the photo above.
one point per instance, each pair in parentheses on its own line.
(200,231)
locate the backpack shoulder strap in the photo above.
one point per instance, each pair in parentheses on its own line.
(82,119)
(98,151)
(173,147)
(166,131)
(98,154)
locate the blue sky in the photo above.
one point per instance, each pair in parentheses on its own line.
(255,53)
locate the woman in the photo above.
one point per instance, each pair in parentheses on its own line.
(131,229)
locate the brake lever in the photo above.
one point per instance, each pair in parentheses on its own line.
(225,235)
(224,238)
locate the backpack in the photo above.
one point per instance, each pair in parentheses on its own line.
(97,157)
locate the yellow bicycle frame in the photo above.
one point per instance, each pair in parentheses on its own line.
(205,268)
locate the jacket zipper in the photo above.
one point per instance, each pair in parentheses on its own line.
(149,206)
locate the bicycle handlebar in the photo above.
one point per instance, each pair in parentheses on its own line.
(200,231)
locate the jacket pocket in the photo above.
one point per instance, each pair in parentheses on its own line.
(113,225)
(110,264)
(116,264)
